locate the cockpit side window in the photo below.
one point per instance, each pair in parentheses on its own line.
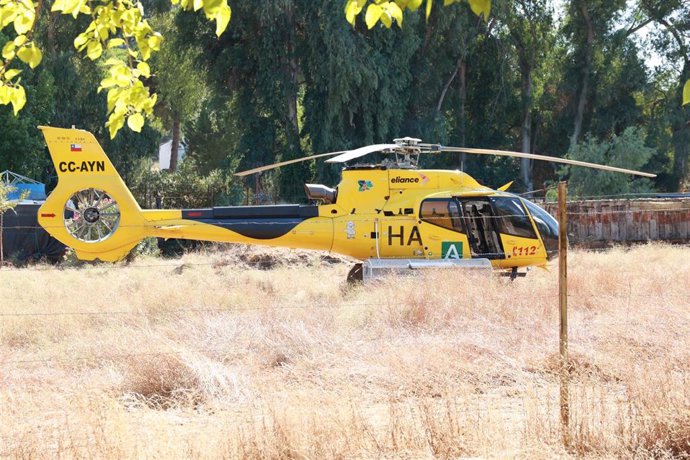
(443,212)
(512,218)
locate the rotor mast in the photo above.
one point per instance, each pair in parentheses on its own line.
(407,153)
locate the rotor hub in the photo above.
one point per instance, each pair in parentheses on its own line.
(407,141)
(91,215)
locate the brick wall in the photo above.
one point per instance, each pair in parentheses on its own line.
(601,223)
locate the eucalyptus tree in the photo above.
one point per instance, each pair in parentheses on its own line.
(671,39)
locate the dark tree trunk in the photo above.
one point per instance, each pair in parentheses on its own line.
(586,71)
(526,163)
(175,145)
(681,135)
(462,119)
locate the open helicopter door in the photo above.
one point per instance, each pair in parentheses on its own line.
(482,228)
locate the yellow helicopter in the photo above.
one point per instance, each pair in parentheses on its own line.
(388,215)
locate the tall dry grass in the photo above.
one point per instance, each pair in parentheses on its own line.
(209,356)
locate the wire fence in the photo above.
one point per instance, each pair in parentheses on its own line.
(627,297)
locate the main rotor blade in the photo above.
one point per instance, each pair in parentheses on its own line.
(286,162)
(360,152)
(532,156)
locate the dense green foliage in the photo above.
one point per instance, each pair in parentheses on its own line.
(625,151)
(289,78)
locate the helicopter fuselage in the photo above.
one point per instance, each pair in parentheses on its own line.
(387,213)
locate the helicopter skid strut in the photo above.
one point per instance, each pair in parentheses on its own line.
(372,269)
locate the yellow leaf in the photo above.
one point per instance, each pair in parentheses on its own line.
(395,12)
(428,8)
(135,122)
(94,50)
(686,93)
(9,13)
(4,94)
(222,19)
(413,5)
(352,9)
(150,102)
(8,50)
(24,22)
(58,5)
(113,96)
(144,69)
(386,20)
(80,41)
(17,98)
(211,8)
(115,123)
(198,4)
(31,55)
(11,73)
(20,40)
(481,7)
(115,42)
(373,15)
(154,41)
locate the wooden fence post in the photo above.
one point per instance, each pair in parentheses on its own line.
(563,305)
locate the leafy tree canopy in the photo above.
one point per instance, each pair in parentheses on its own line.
(625,151)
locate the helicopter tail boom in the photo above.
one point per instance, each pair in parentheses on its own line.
(92,211)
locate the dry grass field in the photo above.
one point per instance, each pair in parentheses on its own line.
(253,353)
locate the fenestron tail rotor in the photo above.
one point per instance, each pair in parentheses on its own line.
(91,215)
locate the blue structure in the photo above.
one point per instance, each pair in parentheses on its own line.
(36,190)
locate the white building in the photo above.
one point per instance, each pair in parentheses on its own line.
(164,154)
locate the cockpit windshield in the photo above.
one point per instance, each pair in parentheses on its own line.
(548,228)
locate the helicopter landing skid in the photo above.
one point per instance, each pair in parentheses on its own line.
(371,269)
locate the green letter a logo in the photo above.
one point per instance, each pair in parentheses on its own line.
(451,250)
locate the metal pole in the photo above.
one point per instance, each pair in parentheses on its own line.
(563,304)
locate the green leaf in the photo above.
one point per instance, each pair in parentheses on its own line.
(686,93)
(135,122)
(11,73)
(222,19)
(481,7)
(373,15)
(31,55)
(8,50)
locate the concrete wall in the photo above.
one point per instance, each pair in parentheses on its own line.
(601,223)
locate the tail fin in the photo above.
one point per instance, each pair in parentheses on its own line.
(91,210)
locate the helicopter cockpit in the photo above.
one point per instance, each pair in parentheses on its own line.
(484,219)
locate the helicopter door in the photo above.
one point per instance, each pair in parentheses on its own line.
(482,228)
